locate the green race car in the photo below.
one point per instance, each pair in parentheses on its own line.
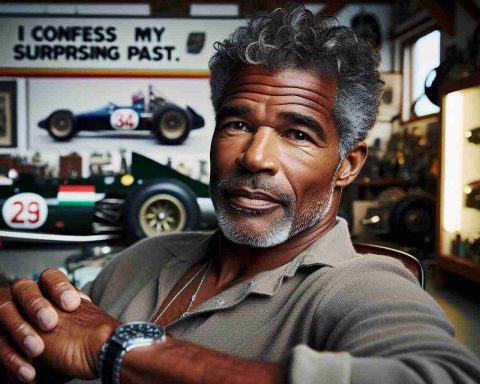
(149,200)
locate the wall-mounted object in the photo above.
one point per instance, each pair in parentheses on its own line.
(8,114)
(196,42)
(367,27)
(392,96)
(168,122)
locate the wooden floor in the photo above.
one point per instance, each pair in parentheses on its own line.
(459,300)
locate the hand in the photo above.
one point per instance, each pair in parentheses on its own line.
(25,310)
(74,345)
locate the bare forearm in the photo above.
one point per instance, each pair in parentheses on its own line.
(176,361)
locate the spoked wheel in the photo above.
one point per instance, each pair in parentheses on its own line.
(171,124)
(160,206)
(61,125)
(162,213)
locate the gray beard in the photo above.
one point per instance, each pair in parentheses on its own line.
(278,231)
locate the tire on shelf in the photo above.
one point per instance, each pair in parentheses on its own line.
(158,207)
(171,124)
(412,220)
(61,125)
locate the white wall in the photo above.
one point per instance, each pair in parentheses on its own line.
(128,9)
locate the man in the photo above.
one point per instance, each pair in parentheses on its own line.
(278,293)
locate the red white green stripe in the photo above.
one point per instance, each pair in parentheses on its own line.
(76,195)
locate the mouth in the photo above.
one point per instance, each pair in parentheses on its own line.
(252,199)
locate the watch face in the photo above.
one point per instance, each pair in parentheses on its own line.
(140,331)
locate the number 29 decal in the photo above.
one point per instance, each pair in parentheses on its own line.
(25,210)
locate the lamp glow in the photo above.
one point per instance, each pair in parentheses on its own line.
(452,192)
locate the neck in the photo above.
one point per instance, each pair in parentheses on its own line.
(241,262)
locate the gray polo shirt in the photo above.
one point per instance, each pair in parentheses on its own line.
(331,316)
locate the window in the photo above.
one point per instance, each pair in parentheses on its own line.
(420,56)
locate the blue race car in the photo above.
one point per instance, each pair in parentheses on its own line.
(169,123)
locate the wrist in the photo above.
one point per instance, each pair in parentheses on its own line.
(103,334)
(125,338)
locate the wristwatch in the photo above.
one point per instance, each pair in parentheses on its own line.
(126,337)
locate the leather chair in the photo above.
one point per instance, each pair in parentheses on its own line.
(410,262)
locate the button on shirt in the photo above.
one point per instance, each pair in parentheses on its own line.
(329,315)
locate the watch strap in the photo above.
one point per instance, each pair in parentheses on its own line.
(112,352)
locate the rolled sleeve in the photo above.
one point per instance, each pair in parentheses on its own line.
(307,366)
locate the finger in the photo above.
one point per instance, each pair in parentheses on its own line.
(57,286)
(30,299)
(14,363)
(19,330)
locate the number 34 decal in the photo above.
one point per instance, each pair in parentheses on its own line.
(124,118)
(25,210)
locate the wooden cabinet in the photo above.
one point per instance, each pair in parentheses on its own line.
(458,231)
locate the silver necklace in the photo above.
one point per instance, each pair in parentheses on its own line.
(205,267)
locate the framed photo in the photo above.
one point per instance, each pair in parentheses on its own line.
(8,114)
(392,96)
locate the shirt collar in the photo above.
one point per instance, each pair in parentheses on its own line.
(331,249)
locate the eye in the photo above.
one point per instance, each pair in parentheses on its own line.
(298,135)
(236,125)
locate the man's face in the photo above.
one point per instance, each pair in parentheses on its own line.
(274,155)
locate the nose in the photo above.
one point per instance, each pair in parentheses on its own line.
(261,152)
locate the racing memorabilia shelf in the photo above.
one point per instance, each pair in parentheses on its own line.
(458,246)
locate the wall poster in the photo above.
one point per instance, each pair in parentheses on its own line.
(8,114)
(392,96)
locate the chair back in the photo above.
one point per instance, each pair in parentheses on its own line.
(409,261)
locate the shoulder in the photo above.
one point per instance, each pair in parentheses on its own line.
(374,275)
(370,281)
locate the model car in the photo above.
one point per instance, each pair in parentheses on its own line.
(168,122)
(148,200)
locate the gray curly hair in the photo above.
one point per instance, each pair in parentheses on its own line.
(290,38)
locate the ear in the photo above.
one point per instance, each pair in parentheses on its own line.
(352,164)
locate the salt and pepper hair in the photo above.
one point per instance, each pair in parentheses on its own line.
(291,38)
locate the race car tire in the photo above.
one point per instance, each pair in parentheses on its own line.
(412,219)
(158,207)
(61,125)
(171,124)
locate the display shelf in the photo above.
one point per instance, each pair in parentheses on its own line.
(458,228)
(459,266)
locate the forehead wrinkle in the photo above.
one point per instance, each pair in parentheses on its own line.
(272,88)
(291,98)
(241,74)
(303,105)
(281,76)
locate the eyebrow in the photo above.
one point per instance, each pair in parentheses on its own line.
(232,110)
(306,121)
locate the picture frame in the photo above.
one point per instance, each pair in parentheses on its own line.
(8,114)
(392,97)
